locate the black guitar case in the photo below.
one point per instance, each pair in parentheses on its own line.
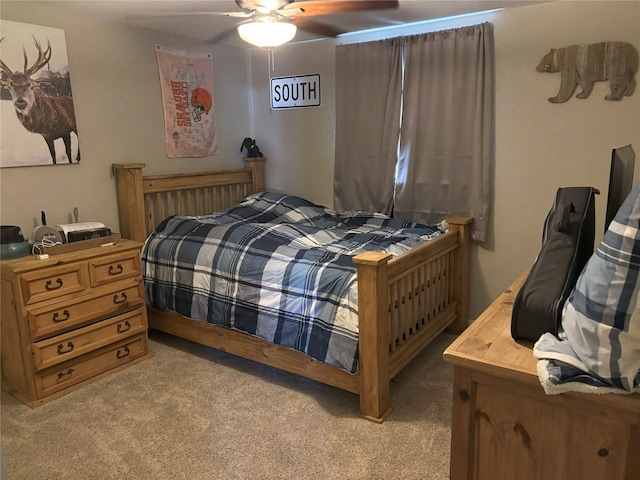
(567,244)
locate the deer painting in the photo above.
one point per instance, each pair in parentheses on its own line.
(52,117)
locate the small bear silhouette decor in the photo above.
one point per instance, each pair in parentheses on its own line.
(586,64)
(252,149)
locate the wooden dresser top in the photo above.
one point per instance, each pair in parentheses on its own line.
(70,252)
(487,346)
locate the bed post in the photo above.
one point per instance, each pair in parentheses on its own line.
(373,335)
(462,225)
(130,200)
(257,172)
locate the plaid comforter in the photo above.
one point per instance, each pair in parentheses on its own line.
(275,266)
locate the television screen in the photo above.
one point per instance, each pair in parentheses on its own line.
(620,180)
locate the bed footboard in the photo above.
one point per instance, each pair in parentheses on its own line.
(403,304)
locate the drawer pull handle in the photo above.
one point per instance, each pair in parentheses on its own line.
(124,298)
(126,350)
(127,327)
(113,271)
(57,314)
(48,285)
(61,348)
(61,375)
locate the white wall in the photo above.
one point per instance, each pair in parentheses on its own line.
(539,146)
(116,90)
(298,143)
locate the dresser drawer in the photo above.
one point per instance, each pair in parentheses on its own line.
(82,368)
(112,268)
(83,340)
(61,317)
(53,282)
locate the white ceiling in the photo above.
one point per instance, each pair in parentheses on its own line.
(187,17)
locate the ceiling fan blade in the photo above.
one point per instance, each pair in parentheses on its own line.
(315,27)
(196,14)
(330,7)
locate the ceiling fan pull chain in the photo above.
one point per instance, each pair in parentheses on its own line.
(272,61)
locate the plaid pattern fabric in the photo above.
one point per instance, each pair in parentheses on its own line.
(599,345)
(275,266)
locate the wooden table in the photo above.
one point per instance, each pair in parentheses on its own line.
(505,427)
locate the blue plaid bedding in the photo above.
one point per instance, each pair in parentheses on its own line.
(275,266)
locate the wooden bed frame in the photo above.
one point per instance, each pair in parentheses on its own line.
(410,298)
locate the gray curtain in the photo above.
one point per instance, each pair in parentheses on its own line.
(446,147)
(368,95)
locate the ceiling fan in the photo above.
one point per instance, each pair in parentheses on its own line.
(270,23)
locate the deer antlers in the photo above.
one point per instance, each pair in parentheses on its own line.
(3,65)
(42,60)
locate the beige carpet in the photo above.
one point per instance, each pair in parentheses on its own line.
(191,412)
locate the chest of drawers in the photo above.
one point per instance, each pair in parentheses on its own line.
(504,426)
(71,319)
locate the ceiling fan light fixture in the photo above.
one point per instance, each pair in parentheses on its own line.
(266,32)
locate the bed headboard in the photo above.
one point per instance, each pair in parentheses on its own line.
(144,201)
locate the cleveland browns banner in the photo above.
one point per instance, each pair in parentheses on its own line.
(186,82)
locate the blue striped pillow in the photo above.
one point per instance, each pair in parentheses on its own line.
(598,320)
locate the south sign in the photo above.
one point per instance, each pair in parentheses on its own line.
(298,91)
